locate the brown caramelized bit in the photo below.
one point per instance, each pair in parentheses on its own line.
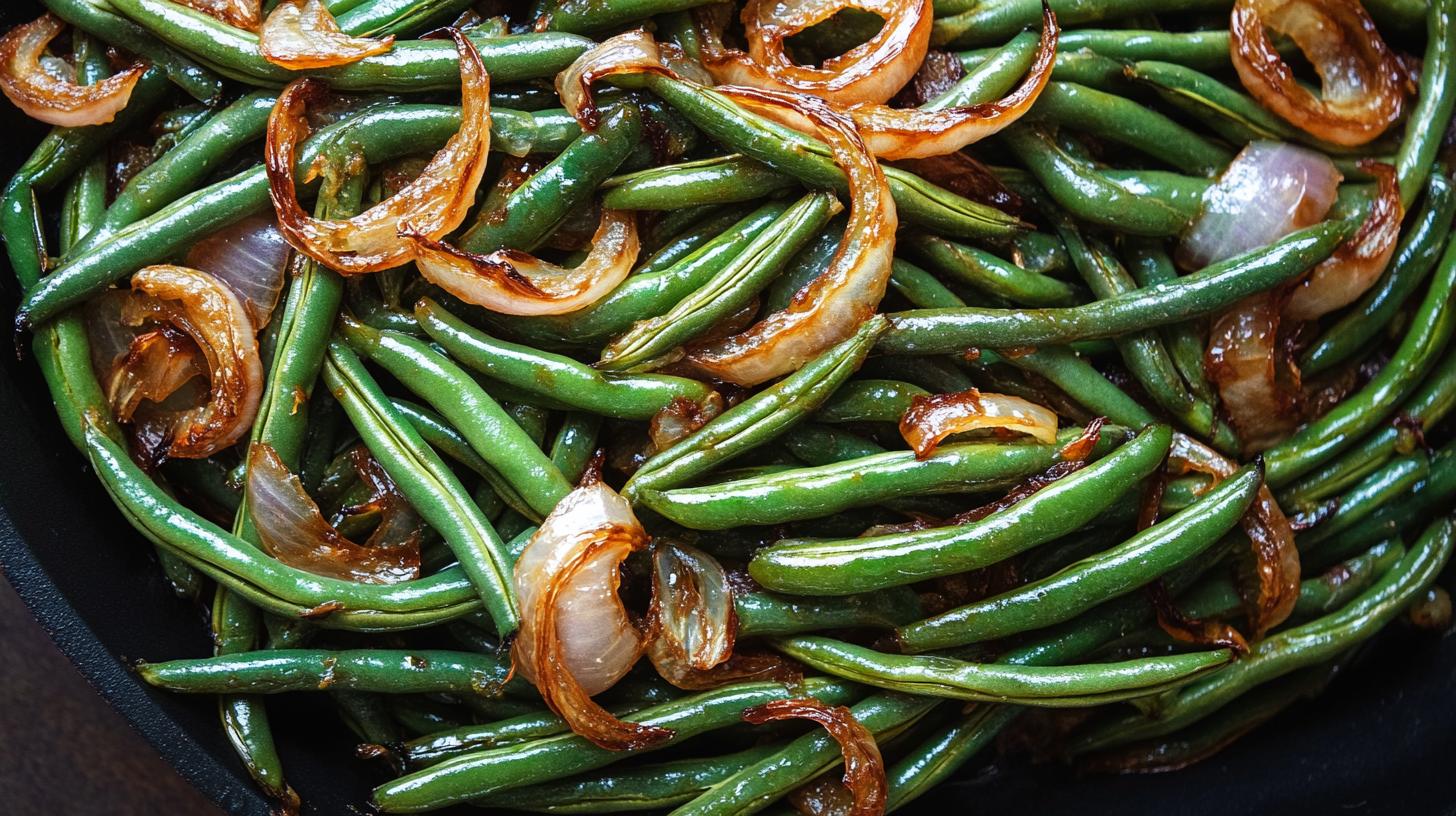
(1189,630)
(864,769)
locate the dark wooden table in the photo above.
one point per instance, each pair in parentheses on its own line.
(65,751)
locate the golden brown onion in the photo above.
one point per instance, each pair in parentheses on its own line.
(1271,591)
(628,53)
(576,638)
(244,14)
(832,306)
(932,417)
(302,34)
(292,530)
(211,314)
(435,203)
(51,99)
(696,624)
(1364,84)
(864,769)
(869,73)
(1358,262)
(512,282)
(1258,385)
(156,365)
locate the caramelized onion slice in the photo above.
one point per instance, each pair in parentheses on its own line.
(244,14)
(628,53)
(1269,190)
(156,365)
(250,256)
(1271,591)
(302,34)
(211,314)
(1364,83)
(869,73)
(1358,262)
(512,282)
(864,769)
(696,624)
(292,530)
(53,100)
(932,417)
(917,133)
(1258,382)
(435,203)
(832,306)
(576,638)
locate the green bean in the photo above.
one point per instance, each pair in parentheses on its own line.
(1341,584)
(815,444)
(235,625)
(366,715)
(988,273)
(644,295)
(531,418)
(437,431)
(651,342)
(534,209)
(869,401)
(768,780)
(992,79)
(586,18)
(97,19)
(758,419)
(1064,368)
(1430,496)
(1082,67)
(764,613)
(1040,686)
(384,670)
(917,201)
(1199,50)
(436,748)
(483,773)
(921,288)
(481,420)
(427,482)
(679,233)
(378,134)
(1113,117)
(1434,102)
(937,331)
(1087,193)
(1394,480)
(1277,655)
(1149,264)
(858,565)
(715,180)
(1415,256)
(662,785)
(1087,583)
(399,17)
(943,754)
(575,444)
(422,716)
(1319,441)
(806,493)
(412,65)
(998,20)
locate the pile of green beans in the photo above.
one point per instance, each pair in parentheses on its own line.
(932,594)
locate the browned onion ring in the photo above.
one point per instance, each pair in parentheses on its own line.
(47,98)
(932,417)
(302,34)
(864,769)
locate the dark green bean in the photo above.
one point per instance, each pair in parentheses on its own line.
(806,493)
(585,18)
(998,20)
(764,613)
(993,78)
(1431,496)
(400,18)
(384,670)
(869,401)
(1200,50)
(990,274)
(858,565)
(921,288)
(1434,102)
(1392,481)
(716,180)
(1067,370)
(815,444)
(575,444)
(937,331)
(437,431)
(1087,583)
(1113,117)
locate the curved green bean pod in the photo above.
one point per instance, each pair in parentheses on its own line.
(996,21)
(436,748)
(575,444)
(482,773)
(990,274)
(858,565)
(97,18)
(235,625)
(804,493)
(1392,481)
(1321,440)
(1087,193)
(533,210)
(412,65)
(377,134)
(921,288)
(663,785)
(1415,256)
(1092,581)
(869,401)
(437,431)
(427,482)
(481,420)
(716,180)
(400,18)
(765,613)
(938,331)
(993,78)
(1434,101)
(635,396)
(917,201)
(384,670)
(1277,655)
(1039,686)
(1067,370)
(768,780)
(1120,119)
(679,233)
(758,419)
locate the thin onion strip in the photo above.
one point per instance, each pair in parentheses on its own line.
(933,417)
(52,100)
